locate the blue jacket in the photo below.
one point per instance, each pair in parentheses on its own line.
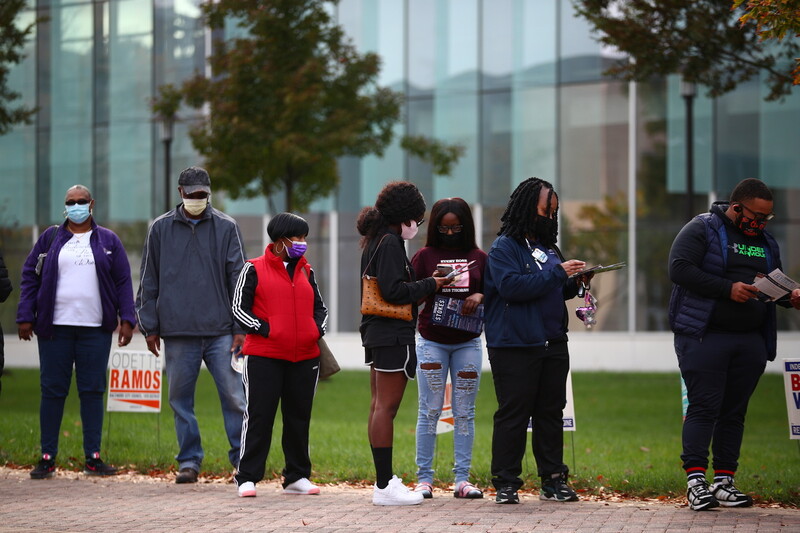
(513,288)
(689,311)
(37,296)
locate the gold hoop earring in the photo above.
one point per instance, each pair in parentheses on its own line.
(276,247)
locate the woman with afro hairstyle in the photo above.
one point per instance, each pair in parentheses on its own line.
(389,347)
(443,350)
(526,283)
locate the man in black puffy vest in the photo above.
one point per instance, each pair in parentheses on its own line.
(724,333)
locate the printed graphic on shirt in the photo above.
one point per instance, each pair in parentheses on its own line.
(460,283)
(749,251)
(78,251)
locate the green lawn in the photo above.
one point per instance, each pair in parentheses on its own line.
(627,438)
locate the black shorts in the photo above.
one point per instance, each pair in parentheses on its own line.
(400,358)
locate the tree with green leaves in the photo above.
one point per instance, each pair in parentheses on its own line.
(286,99)
(12,42)
(774,19)
(702,40)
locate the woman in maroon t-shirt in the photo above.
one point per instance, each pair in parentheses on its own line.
(443,349)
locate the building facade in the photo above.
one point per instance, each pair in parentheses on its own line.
(519,83)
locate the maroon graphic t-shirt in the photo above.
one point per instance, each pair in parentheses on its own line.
(425,262)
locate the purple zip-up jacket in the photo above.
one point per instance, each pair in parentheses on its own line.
(37,296)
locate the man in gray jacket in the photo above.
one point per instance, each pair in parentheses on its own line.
(191,261)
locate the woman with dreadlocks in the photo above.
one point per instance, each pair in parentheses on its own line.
(526,283)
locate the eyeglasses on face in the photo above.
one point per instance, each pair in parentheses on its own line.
(759,216)
(82,201)
(420,222)
(455,228)
(199,195)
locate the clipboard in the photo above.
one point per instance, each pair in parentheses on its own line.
(600,268)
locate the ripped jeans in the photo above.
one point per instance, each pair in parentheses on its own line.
(434,361)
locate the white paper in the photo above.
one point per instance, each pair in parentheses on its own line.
(775,285)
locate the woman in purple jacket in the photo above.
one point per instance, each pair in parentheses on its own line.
(76,288)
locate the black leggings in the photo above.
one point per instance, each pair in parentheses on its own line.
(269,381)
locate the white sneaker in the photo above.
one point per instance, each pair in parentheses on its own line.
(247,489)
(395,493)
(301,486)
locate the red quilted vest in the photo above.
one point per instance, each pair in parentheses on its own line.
(288,306)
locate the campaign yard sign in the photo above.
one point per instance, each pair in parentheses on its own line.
(568,416)
(446,421)
(791,381)
(134,382)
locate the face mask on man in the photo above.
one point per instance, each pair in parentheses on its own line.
(77,213)
(751,227)
(195,206)
(296,249)
(409,232)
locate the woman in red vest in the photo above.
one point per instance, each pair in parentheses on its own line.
(278,303)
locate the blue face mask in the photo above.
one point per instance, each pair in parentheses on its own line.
(77,213)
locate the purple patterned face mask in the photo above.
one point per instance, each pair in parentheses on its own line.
(296,249)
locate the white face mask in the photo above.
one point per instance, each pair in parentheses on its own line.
(409,232)
(195,207)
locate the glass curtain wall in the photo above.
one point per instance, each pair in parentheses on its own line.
(519,83)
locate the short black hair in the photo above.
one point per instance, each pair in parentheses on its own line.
(519,219)
(750,188)
(459,208)
(286,225)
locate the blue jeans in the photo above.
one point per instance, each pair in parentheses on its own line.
(434,361)
(183,358)
(87,349)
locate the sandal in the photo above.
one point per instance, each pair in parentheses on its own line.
(425,488)
(465,489)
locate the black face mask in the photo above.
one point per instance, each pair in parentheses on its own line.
(546,229)
(451,240)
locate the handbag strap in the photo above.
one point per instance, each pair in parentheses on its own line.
(373,255)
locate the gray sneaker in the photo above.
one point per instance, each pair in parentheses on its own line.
(700,499)
(728,495)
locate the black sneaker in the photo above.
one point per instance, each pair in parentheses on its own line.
(555,489)
(728,495)
(507,495)
(96,467)
(45,469)
(186,475)
(700,499)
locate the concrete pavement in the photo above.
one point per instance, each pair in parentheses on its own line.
(75,502)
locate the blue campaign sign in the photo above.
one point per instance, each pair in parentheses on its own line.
(791,382)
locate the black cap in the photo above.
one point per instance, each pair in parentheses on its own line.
(195,179)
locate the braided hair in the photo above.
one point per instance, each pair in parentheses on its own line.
(520,217)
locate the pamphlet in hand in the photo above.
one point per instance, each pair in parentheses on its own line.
(600,268)
(774,286)
(446,312)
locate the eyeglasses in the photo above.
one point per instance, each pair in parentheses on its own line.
(200,195)
(455,228)
(82,201)
(759,216)
(420,222)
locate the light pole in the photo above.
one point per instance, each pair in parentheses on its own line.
(688,92)
(167,125)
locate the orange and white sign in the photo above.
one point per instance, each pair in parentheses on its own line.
(134,382)
(446,422)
